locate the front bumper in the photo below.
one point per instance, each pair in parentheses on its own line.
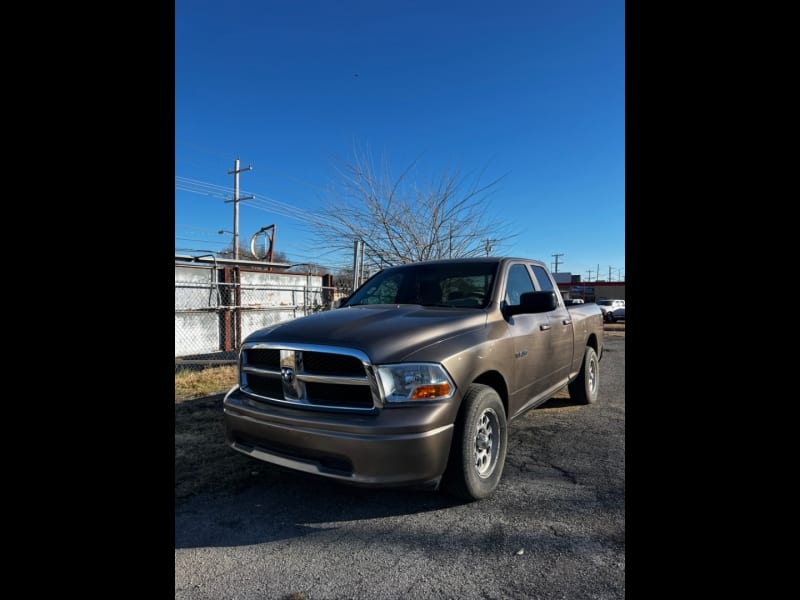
(403,445)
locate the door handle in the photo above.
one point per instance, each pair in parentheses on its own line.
(567,321)
(544,327)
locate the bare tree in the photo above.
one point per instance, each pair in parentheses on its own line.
(308,267)
(400,221)
(244,253)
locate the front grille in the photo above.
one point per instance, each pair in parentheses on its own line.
(326,394)
(265,386)
(326,363)
(307,376)
(263,358)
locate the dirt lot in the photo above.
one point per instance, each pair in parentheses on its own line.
(555,527)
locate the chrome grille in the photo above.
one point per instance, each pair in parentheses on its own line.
(264,358)
(308,376)
(332,364)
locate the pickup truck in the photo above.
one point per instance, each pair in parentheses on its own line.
(414,379)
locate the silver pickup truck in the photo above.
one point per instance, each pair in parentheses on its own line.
(414,379)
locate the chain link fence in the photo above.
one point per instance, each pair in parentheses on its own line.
(217,307)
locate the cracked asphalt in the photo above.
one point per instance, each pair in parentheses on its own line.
(554,528)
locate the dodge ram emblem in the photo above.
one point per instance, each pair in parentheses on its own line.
(287,375)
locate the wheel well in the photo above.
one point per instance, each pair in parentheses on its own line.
(495,380)
(592,341)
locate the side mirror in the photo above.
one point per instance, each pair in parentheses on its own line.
(533,302)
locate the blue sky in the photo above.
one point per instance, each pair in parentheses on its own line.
(531,91)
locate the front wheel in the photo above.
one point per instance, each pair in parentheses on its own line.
(584,387)
(478,452)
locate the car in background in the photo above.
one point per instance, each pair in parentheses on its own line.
(573,301)
(612,310)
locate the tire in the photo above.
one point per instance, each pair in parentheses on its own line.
(478,451)
(583,389)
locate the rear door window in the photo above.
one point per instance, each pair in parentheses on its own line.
(545,284)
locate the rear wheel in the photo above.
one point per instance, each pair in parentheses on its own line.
(585,386)
(478,452)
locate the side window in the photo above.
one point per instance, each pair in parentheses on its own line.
(518,283)
(541,276)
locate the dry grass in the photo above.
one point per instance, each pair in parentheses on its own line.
(203,461)
(207,382)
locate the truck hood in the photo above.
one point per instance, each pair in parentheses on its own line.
(384,333)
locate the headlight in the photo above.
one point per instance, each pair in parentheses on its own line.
(415,381)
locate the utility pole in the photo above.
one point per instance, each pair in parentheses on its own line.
(589,278)
(236,201)
(597,273)
(556,256)
(358,251)
(488,246)
(609,272)
(450,251)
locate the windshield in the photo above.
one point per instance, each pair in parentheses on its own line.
(604,302)
(466,285)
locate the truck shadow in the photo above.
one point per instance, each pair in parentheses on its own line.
(559,402)
(224,498)
(274,504)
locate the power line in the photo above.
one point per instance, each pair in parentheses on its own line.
(193,228)
(260,201)
(183,239)
(268,204)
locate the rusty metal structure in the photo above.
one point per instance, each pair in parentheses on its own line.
(218,302)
